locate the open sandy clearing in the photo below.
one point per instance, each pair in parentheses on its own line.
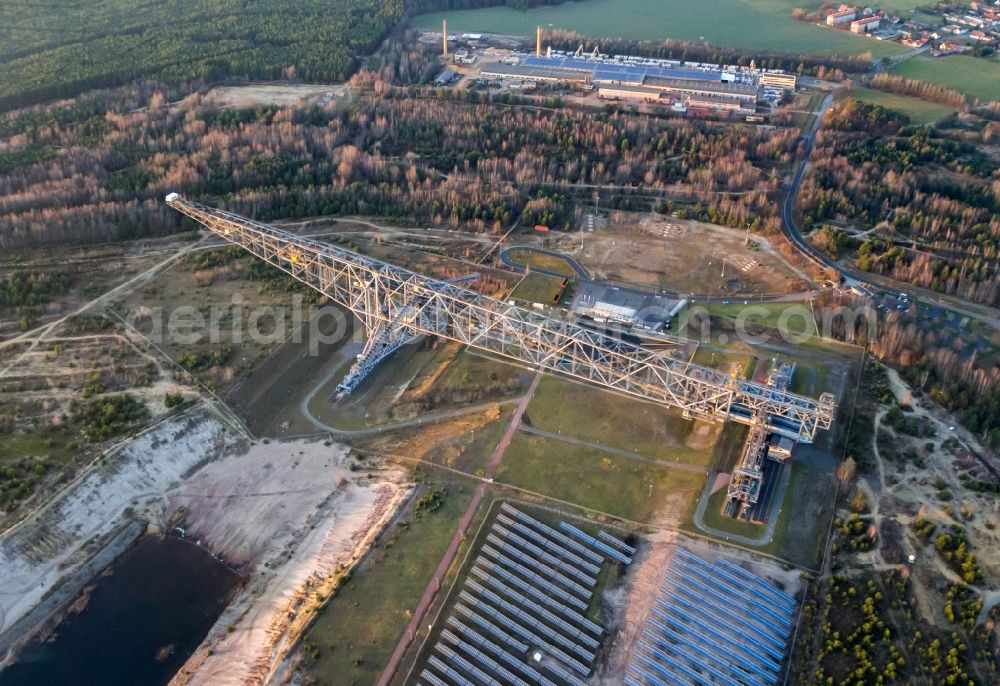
(680,255)
(296,517)
(272,94)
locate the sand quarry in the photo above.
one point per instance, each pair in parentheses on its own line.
(296,517)
(290,516)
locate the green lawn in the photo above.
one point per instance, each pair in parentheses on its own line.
(919,111)
(538,288)
(472,370)
(357,630)
(597,416)
(725,360)
(796,318)
(753,24)
(540,260)
(975,76)
(594,479)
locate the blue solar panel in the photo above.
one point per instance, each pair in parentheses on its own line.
(611,71)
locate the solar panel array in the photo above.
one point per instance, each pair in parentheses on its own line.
(713,624)
(622,72)
(520,618)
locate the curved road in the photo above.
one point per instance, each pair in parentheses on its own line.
(428,418)
(788,226)
(581,273)
(583,276)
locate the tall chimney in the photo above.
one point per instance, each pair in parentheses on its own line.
(444,37)
(538,41)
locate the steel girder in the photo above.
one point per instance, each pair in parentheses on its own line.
(378,293)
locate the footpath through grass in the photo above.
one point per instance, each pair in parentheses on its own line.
(594,479)
(597,416)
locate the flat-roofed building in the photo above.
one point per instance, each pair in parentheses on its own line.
(778,79)
(735,91)
(631,307)
(548,74)
(716,102)
(643,93)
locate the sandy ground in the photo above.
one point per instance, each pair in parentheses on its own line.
(273,94)
(898,491)
(37,553)
(681,255)
(294,516)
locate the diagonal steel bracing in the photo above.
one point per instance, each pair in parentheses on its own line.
(382,294)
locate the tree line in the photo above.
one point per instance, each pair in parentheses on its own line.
(826,66)
(919,89)
(929,361)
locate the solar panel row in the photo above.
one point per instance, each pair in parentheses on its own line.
(522,611)
(554,534)
(713,624)
(588,65)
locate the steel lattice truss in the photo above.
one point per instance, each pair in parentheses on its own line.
(382,294)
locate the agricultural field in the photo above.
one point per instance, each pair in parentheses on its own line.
(920,112)
(752,24)
(978,78)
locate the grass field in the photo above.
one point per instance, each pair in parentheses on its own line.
(594,479)
(596,416)
(725,360)
(796,318)
(538,288)
(919,111)
(540,260)
(355,633)
(753,24)
(975,76)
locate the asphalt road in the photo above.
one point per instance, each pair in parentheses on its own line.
(583,276)
(788,226)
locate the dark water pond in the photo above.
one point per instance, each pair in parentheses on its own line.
(141,623)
